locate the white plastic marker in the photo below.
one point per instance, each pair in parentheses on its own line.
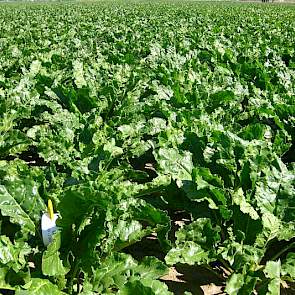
(48,225)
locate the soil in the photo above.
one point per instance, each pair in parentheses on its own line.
(194,279)
(184,278)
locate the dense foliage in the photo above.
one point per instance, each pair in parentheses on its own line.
(125,115)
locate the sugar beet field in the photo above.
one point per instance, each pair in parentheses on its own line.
(143,143)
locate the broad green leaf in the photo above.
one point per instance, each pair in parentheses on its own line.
(178,166)
(113,272)
(188,252)
(200,231)
(245,207)
(234,284)
(11,208)
(51,263)
(195,243)
(133,220)
(3,284)
(13,142)
(39,287)
(14,254)
(117,269)
(151,268)
(272,271)
(78,74)
(145,287)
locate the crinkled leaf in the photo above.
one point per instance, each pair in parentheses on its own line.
(118,268)
(188,252)
(288,267)
(195,243)
(178,166)
(145,287)
(13,254)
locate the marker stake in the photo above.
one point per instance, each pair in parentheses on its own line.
(48,224)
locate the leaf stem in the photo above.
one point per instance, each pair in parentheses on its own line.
(148,192)
(73,276)
(214,272)
(276,256)
(226,265)
(219,223)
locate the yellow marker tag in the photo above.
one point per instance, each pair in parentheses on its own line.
(50,210)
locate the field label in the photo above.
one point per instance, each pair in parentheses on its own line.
(48,227)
